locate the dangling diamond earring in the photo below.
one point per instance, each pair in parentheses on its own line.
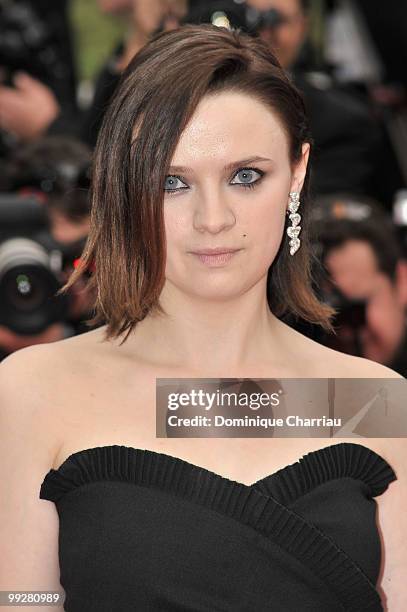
(294,229)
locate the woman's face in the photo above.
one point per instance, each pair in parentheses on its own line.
(228,187)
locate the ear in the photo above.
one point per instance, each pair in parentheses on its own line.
(300,169)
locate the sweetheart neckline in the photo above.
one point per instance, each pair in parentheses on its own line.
(264,506)
(304,458)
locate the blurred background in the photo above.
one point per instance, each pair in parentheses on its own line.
(60,62)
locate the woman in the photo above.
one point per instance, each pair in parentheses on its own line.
(204,147)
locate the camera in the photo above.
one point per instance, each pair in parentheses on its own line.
(32,267)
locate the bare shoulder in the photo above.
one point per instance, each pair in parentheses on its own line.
(29,440)
(30,383)
(361,367)
(321,361)
(394,451)
(29,372)
(39,388)
(40,363)
(34,382)
(24,376)
(393,524)
(43,386)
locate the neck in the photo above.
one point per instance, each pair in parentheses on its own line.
(214,337)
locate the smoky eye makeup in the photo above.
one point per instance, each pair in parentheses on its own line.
(248,178)
(171,183)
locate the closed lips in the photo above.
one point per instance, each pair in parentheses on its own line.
(219,251)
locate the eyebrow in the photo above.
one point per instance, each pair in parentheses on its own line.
(231,166)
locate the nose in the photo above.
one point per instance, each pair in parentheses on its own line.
(213,212)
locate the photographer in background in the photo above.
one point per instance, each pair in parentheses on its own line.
(55,171)
(37,73)
(31,109)
(346,136)
(145,18)
(288,32)
(361,252)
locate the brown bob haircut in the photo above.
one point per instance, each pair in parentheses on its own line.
(156,97)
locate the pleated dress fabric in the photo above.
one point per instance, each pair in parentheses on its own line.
(142,531)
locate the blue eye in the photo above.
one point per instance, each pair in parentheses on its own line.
(172,183)
(247,177)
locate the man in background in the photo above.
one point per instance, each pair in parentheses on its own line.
(362,254)
(346,136)
(53,170)
(29,108)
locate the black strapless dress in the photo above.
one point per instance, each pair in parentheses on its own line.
(145,531)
